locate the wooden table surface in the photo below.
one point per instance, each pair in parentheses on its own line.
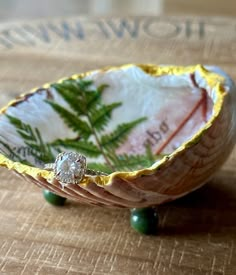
(197,233)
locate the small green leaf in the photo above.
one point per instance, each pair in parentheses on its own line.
(72,99)
(72,120)
(83,84)
(24,135)
(15,121)
(100,117)
(93,98)
(68,85)
(119,135)
(102,87)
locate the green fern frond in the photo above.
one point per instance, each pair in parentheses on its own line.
(88,117)
(82,146)
(100,117)
(119,135)
(72,120)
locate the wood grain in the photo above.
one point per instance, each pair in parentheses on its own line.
(197,233)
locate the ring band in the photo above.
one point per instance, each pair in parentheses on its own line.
(70,168)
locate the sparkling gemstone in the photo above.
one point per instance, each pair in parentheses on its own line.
(70,167)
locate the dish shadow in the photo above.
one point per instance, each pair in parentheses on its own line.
(210,209)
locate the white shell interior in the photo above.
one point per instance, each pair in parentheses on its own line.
(174,106)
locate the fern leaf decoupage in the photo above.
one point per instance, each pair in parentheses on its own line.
(87,116)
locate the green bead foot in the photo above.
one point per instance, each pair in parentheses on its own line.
(144,220)
(53,198)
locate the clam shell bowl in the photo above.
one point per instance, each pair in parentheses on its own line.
(158,132)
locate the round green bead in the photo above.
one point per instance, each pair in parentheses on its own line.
(53,198)
(144,220)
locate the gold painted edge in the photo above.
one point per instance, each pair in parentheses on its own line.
(213,80)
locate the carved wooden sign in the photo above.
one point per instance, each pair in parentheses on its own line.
(198,38)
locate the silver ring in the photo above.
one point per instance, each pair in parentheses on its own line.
(70,168)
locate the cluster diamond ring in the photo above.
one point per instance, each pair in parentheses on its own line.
(70,168)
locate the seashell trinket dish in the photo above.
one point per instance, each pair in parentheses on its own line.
(132,136)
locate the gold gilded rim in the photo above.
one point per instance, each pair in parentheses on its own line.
(213,80)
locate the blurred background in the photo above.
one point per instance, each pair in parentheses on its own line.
(79,44)
(28,9)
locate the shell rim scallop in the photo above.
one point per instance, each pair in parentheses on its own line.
(212,81)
